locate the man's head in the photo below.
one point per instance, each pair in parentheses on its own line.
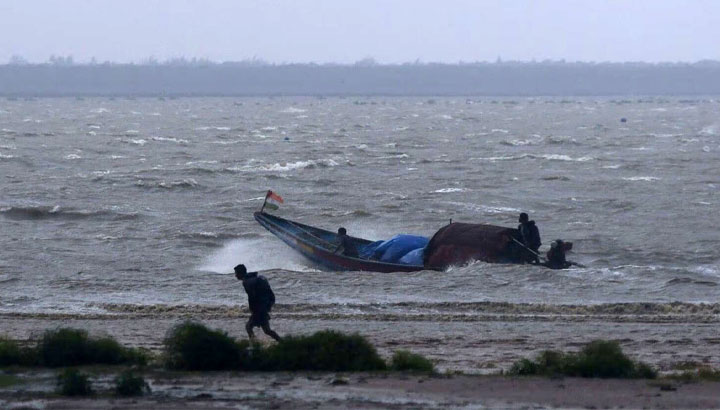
(342,231)
(240,272)
(523,218)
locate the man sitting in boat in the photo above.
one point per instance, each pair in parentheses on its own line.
(530,234)
(556,255)
(346,244)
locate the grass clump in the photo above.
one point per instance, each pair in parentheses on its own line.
(127,384)
(10,352)
(73,347)
(600,358)
(192,346)
(326,350)
(73,383)
(406,361)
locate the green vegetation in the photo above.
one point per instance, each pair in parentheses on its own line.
(406,361)
(325,350)
(7,380)
(10,352)
(128,384)
(192,346)
(600,358)
(73,383)
(73,347)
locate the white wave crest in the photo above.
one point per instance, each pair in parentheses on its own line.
(293,110)
(449,190)
(171,139)
(289,166)
(641,178)
(256,254)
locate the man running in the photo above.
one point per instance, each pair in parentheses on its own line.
(260,300)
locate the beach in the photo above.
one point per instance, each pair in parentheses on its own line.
(125,217)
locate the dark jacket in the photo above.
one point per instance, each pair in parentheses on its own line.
(556,258)
(260,296)
(530,235)
(348,246)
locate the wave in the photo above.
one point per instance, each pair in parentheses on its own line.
(549,157)
(449,190)
(684,281)
(292,110)
(184,183)
(56,212)
(454,311)
(289,166)
(641,178)
(171,139)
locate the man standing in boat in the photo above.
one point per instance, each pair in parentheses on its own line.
(530,235)
(260,300)
(346,244)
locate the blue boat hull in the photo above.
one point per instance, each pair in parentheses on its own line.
(318,244)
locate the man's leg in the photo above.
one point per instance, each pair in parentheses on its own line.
(270,332)
(249,328)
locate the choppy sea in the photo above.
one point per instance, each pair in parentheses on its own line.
(115,204)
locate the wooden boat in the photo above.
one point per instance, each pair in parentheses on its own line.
(318,245)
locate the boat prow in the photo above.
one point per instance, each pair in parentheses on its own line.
(318,245)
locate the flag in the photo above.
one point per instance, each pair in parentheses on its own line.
(272,200)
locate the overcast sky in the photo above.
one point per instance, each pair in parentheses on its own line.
(390,31)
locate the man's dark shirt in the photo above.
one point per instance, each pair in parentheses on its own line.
(556,258)
(260,296)
(348,246)
(530,235)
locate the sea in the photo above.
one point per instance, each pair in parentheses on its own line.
(116,204)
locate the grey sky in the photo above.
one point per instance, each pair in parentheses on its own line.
(349,30)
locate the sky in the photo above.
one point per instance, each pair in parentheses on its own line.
(345,31)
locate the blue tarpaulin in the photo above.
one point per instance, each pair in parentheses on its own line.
(394,249)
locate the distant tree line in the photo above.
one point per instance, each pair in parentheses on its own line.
(62,76)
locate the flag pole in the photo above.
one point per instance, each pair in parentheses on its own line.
(265,201)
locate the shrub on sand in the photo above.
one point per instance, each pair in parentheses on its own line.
(325,350)
(73,383)
(128,384)
(72,347)
(404,360)
(192,346)
(10,352)
(600,358)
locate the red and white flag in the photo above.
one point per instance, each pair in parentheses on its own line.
(273,200)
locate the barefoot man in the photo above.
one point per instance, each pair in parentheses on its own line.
(260,300)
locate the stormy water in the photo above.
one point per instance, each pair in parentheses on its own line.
(110,205)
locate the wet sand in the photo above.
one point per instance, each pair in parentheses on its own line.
(478,343)
(481,342)
(223,390)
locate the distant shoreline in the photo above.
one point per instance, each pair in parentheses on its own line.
(417,80)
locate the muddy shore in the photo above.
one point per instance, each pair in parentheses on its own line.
(223,390)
